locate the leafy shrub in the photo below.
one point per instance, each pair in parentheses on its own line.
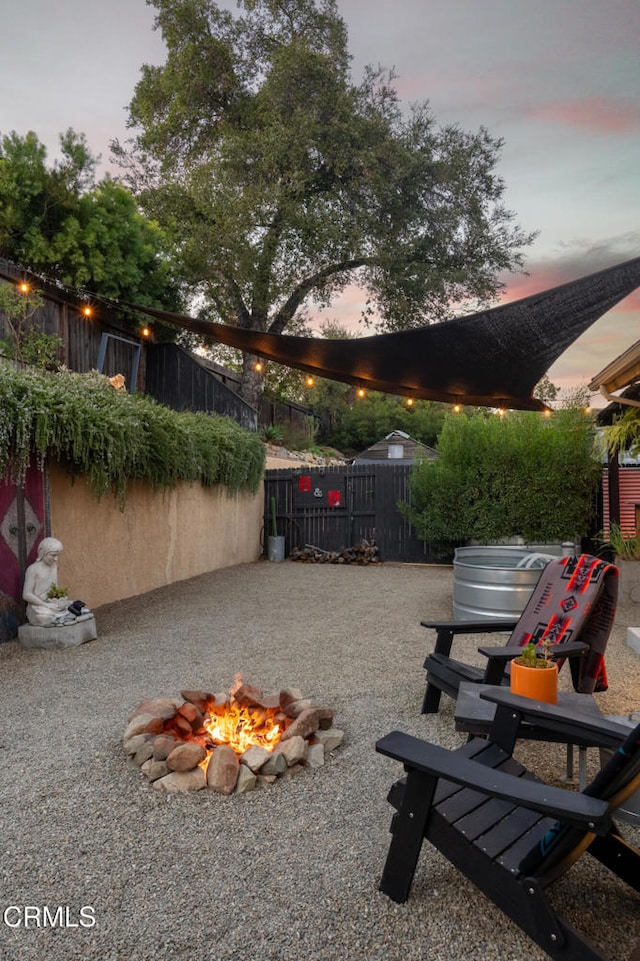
(496,478)
(362,422)
(624,432)
(624,546)
(300,435)
(272,434)
(113,437)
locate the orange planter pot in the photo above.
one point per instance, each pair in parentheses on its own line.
(541,684)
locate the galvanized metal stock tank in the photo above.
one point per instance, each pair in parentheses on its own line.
(496,582)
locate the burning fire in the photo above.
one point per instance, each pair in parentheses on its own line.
(241,720)
(242,727)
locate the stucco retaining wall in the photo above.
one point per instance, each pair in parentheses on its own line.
(161,536)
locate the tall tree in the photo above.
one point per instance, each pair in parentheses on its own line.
(285,181)
(56,220)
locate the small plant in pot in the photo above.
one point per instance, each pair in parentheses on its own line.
(534,674)
(56,592)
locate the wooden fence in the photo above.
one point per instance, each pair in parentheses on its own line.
(104,341)
(337,507)
(176,379)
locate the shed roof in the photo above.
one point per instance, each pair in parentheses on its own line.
(378,453)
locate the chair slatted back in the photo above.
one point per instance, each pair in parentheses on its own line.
(574,599)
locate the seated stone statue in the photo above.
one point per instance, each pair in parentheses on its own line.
(44,610)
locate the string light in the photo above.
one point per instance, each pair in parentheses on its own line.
(501,412)
(361,392)
(457,408)
(309,381)
(86,310)
(547,412)
(409,401)
(145,332)
(258,366)
(24,287)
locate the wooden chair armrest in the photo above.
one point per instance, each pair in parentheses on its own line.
(566,805)
(472,627)
(558,650)
(598,731)
(500,653)
(446,630)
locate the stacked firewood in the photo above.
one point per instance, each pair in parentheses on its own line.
(366,552)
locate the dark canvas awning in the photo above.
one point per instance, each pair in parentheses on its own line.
(493,358)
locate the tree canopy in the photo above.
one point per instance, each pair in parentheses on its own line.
(284,181)
(56,220)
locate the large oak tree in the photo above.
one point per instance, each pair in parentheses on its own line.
(285,181)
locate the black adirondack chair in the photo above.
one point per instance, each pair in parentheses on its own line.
(574,604)
(511,834)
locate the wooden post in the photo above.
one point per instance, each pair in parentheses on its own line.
(614,489)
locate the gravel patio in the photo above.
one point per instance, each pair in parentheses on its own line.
(289,871)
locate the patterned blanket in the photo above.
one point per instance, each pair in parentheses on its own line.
(574,600)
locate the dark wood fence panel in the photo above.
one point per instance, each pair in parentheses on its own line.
(337,507)
(178,381)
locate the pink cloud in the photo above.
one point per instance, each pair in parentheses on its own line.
(547,277)
(596,113)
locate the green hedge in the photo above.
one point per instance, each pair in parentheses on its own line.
(496,478)
(113,437)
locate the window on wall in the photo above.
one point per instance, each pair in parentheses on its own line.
(135,358)
(396,451)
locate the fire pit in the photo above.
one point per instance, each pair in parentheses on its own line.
(231,742)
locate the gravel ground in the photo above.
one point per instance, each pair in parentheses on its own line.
(289,871)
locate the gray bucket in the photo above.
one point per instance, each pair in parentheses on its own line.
(493,583)
(275,548)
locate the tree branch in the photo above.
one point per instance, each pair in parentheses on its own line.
(293,302)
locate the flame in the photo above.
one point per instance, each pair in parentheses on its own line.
(240,720)
(242,727)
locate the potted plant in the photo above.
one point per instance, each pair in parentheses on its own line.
(534,674)
(275,544)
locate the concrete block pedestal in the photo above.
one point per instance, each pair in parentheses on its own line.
(633,638)
(56,638)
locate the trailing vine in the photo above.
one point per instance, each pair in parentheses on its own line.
(113,437)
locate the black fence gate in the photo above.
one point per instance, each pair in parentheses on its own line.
(337,507)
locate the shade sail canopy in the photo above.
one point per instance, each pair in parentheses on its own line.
(493,358)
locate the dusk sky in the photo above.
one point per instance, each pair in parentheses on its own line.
(558,80)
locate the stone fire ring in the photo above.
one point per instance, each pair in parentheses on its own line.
(167,740)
